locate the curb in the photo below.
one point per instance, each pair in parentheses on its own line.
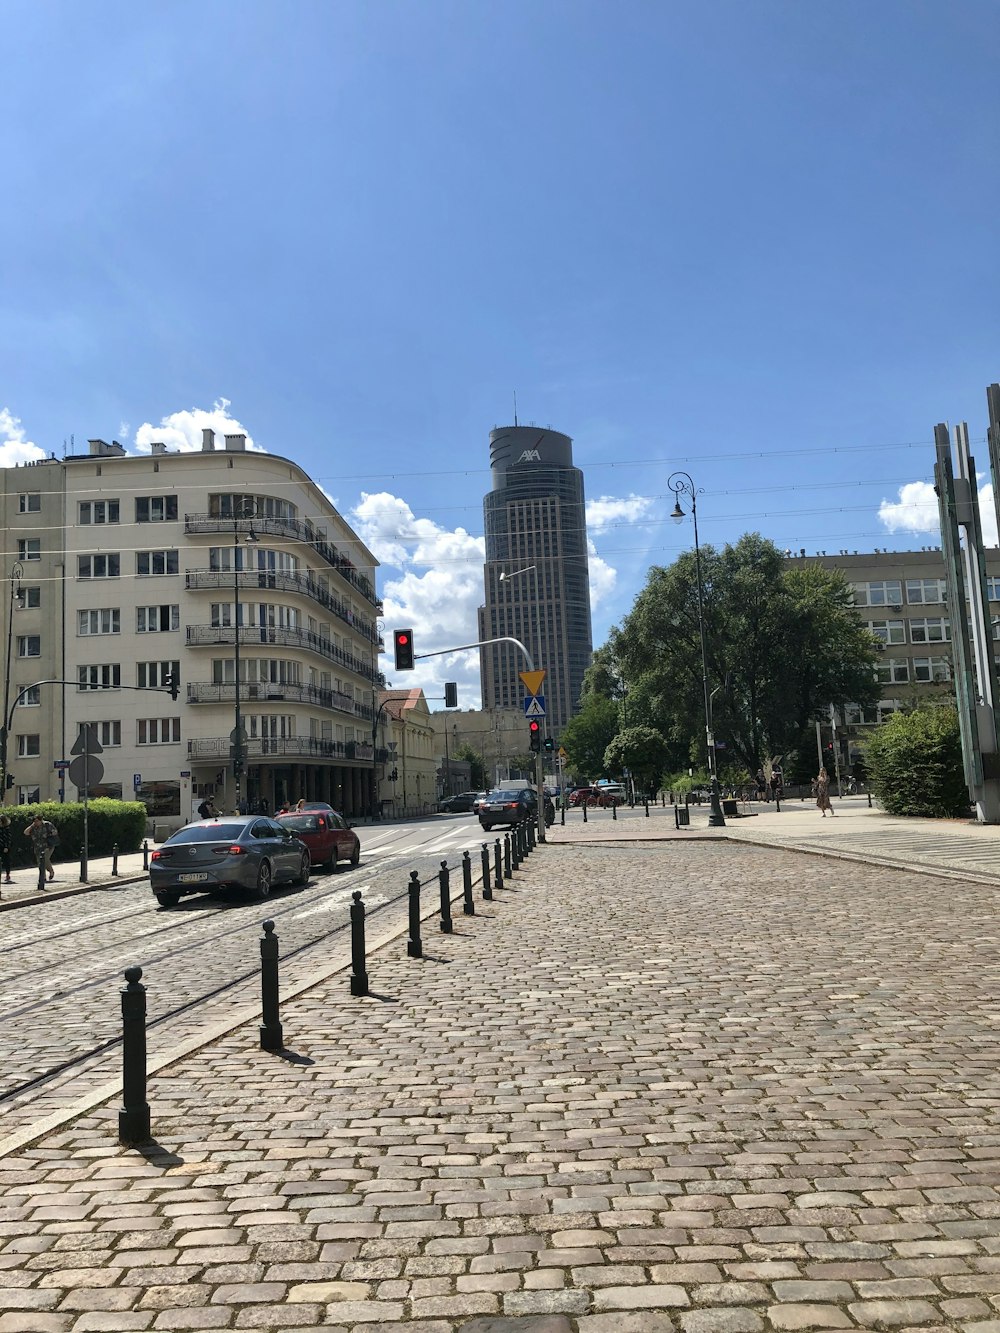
(71,891)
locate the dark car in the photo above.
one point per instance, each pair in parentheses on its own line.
(232,852)
(508,807)
(328,835)
(462,804)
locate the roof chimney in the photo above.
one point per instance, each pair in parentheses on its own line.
(236,443)
(207,439)
(157,447)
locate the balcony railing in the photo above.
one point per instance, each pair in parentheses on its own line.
(211,692)
(281,581)
(285,747)
(209,635)
(297,530)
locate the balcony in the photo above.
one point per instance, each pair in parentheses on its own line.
(209,692)
(223,580)
(296,530)
(199,636)
(286,747)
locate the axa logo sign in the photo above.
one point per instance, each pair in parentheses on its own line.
(530,456)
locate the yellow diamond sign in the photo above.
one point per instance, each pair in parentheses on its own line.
(532,680)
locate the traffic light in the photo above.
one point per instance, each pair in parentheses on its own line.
(403,642)
(450,694)
(171,683)
(550,745)
(534,735)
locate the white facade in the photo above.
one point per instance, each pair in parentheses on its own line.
(140,565)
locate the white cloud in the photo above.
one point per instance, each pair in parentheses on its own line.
(916,510)
(182,430)
(608,509)
(603,577)
(14,448)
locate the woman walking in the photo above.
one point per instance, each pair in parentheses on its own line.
(823,793)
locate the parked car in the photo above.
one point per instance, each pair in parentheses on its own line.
(583,796)
(231,852)
(508,807)
(610,793)
(462,804)
(326,833)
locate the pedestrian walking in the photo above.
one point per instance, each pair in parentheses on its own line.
(777,782)
(6,839)
(761,782)
(43,836)
(823,793)
(207,809)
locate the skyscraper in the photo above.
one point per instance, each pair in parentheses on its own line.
(537,581)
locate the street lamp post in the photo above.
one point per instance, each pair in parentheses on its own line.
(15,592)
(245,509)
(505,577)
(682,484)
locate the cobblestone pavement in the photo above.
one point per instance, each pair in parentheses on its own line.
(715,1088)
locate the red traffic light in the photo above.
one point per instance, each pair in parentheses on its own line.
(533,726)
(402,638)
(403,644)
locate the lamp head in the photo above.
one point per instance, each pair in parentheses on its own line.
(678,513)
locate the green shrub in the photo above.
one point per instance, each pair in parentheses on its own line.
(108,822)
(915,764)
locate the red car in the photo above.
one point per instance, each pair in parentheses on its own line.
(583,796)
(328,835)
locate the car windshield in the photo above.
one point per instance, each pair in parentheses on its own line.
(508,795)
(209,833)
(300,823)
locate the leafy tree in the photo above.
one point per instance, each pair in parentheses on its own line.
(468,755)
(782,644)
(914,764)
(641,750)
(587,735)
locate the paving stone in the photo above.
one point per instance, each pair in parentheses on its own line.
(808,1315)
(894,1313)
(727,1319)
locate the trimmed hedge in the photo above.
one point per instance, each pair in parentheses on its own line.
(108,822)
(914,764)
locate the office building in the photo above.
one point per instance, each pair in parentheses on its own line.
(127,573)
(537,581)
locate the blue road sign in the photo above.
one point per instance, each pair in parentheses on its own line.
(534,706)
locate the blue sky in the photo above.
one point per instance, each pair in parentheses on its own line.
(756,241)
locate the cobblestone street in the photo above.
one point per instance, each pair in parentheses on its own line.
(712,1087)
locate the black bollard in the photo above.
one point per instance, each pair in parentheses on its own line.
(83,864)
(530,830)
(777,802)
(414,945)
(614,811)
(506,854)
(497,865)
(359,977)
(484,857)
(41,874)
(145,854)
(562,813)
(114,858)
(584,804)
(270,1029)
(133,1118)
(468,906)
(869,795)
(444,883)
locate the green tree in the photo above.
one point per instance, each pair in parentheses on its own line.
(782,644)
(914,764)
(468,755)
(641,750)
(587,735)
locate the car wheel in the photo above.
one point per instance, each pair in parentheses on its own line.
(264,880)
(305,865)
(168,899)
(356,857)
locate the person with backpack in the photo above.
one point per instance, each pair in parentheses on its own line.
(207,809)
(43,836)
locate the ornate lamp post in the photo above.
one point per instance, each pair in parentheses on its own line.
(15,593)
(681,484)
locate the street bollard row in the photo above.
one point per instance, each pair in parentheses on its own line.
(134,1114)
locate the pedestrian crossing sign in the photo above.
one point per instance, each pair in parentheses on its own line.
(535,706)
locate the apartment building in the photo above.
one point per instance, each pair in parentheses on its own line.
(127,573)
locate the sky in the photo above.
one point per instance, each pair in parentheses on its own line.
(755,242)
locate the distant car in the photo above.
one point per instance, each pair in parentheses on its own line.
(480,798)
(231,852)
(583,796)
(462,804)
(508,807)
(326,833)
(610,793)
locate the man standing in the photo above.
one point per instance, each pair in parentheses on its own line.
(44,837)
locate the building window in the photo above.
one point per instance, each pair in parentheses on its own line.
(881,592)
(157,619)
(158,730)
(888,631)
(107,620)
(927,591)
(31,597)
(930,669)
(153,675)
(29,747)
(99,511)
(29,645)
(933,629)
(29,548)
(29,503)
(107,676)
(893,671)
(155,508)
(28,795)
(108,733)
(98,566)
(156,562)
(31,697)
(993,589)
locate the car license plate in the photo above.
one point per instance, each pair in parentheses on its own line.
(194,877)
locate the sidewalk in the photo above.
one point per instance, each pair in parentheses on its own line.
(24,890)
(707,1087)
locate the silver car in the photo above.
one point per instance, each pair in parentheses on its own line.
(237,852)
